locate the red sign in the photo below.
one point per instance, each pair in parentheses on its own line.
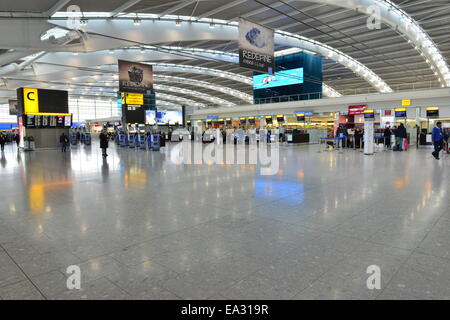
(387,112)
(355,110)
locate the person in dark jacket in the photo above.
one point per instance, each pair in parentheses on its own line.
(63,140)
(387,137)
(17,139)
(2,142)
(400,134)
(104,143)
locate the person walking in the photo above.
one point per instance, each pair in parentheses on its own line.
(17,139)
(2,141)
(63,140)
(104,142)
(437,136)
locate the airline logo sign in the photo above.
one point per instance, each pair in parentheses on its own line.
(31,100)
(357,110)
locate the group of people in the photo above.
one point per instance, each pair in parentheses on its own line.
(400,137)
(104,141)
(349,138)
(8,138)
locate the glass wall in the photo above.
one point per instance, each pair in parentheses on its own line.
(85,108)
(4,114)
(82,109)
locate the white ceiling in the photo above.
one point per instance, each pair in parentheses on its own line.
(386,52)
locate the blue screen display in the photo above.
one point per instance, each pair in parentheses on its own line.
(168,116)
(281,78)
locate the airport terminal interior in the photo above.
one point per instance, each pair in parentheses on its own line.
(224,150)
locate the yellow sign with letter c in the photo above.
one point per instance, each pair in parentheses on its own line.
(31,100)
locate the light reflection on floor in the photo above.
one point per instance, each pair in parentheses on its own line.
(141,226)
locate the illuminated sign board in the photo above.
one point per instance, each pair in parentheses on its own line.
(132,98)
(369,114)
(433,112)
(300,116)
(406,102)
(356,110)
(400,112)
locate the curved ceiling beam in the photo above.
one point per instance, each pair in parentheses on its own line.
(399,20)
(184,101)
(235,93)
(330,92)
(165,30)
(89,59)
(197,94)
(171,79)
(92,59)
(100,88)
(170,67)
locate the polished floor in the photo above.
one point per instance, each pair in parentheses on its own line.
(142,227)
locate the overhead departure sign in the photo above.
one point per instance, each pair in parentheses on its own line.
(33,100)
(433,112)
(300,116)
(132,98)
(369,114)
(400,113)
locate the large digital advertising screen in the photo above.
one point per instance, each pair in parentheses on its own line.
(150,117)
(169,116)
(281,78)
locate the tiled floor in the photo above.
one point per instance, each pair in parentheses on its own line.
(142,227)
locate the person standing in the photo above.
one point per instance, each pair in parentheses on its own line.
(437,137)
(387,137)
(446,138)
(63,142)
(2,141)
(104,143)
(400,134)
